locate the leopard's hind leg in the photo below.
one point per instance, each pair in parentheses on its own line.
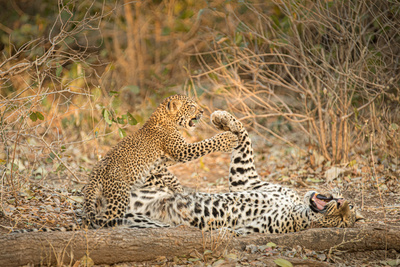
(242,172)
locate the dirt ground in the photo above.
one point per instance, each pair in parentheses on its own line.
(52,200)
(379,207)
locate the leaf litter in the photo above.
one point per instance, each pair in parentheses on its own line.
(49,199)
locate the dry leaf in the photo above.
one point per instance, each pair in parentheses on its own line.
(333,173)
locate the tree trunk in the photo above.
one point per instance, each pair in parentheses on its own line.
(110,246)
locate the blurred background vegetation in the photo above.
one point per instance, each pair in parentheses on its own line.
(327,71)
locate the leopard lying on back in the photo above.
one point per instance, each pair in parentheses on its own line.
(251,206)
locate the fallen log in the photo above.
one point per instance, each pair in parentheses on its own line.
(110,246)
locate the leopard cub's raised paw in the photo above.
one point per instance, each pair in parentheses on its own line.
(224,121)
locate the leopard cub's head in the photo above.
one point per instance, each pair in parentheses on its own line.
(335,211)
(183,110)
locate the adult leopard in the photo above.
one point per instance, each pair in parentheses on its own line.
(146,154)
(251,206)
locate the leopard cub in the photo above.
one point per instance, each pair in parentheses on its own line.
(143,157)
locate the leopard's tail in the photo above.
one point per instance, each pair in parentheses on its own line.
(72,227)
(95,204)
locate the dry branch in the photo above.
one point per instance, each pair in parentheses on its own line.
(320,65)
(123,245)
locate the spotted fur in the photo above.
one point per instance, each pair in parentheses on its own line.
(251,206)
(147,153)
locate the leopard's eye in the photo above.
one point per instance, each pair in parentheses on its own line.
(192,109)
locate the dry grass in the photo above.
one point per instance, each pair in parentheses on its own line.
(90,64)
(325,71)
(50,112)
(329,69)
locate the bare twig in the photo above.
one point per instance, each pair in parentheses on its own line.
(60,160)
(322,73)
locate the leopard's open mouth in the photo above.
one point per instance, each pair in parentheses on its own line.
(194,120)
(318,202)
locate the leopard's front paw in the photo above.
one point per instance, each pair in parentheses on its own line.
(228,141)
(223,120)
(176,188)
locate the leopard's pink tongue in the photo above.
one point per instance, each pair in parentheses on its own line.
(320,206)
(320,203)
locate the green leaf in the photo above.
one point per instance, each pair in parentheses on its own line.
(239,38)
(52,155)
(187,13)
(96,92)
(122,132)
(14,167)
(116,102)
(61,168)
(283,263)
(271,245)
(394,127)
(106,115)
(58,70)
(165,31)
(39,115)
(111,93)
(131,119)
(33,116)
(120,120)
(213,76)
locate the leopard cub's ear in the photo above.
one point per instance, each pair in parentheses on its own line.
(174,105)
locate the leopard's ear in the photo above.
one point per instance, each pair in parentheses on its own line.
(174,105)
(359,217)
